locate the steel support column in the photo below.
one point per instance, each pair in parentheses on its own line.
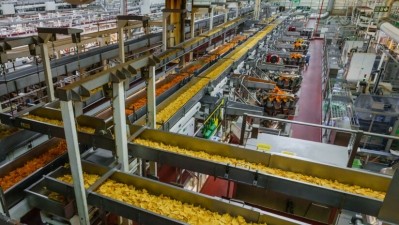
(257,10)
(151,104)
(211,11)
(192,30)
(238,9)
(165,31)
(354,147)
(74,160)
(118,103)
(123,7)
(48,76)
(121,43)
(152,110)
(226,14)
(393,133)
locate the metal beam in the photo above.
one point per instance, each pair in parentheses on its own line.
(192,31)
(152,111)
(47,72)
(74,160)
(121,41)
(151,103)
(165,16)
(257,10)
(80,90)
(118,103)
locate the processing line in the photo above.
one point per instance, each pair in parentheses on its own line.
(233,171)
(100,127)
(175,107)
(107,190)
(365,192)
(29,76)
(136,103)
(92,131)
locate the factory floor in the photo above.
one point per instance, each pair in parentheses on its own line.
(310,96)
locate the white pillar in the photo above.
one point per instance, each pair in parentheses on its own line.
(257,10)
(151,104)
(211,18)
(118,104)
(238,9)
(152,111)
(211,22)
(74,160)
(48,76)
(165,31)
(192,27)
(123,7)
(381,61)
(121,44)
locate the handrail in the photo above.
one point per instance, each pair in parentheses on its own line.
(356,140)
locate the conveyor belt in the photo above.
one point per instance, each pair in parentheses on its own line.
(14,193)
(172,110)
(110,184)
(102,136)
(100,126)
(208,157)
(25,77)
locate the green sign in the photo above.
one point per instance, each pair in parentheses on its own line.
(381,9)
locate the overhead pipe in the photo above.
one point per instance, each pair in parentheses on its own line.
(390,30)
(317,15)
(330,5)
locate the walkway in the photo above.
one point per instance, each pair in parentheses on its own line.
(310,96)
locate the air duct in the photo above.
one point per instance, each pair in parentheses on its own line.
(390,30)
(316,15)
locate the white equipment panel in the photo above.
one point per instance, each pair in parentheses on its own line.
(361,64)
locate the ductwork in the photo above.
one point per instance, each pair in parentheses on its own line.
(390,30)
(316,15)
(330,5)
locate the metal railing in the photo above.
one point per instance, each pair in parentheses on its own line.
(356,135)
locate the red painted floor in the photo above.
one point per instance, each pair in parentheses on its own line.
(310,97)
(217,187)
